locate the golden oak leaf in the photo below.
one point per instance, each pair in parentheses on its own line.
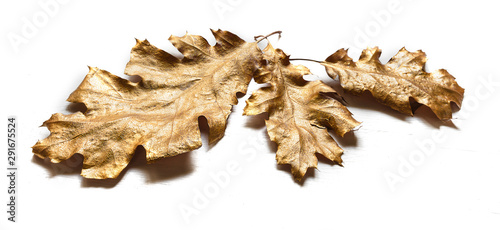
(160,112)
(300,114)
(394,83)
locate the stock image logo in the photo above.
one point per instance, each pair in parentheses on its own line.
(426,147)
(31,25)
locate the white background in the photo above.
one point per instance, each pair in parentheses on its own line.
(456,185)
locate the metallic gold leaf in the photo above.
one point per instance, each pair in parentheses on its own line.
(299,113)
(394,83)
(160,112)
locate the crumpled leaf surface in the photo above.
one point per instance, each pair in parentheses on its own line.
(300,114)
(160,112)
(394,83)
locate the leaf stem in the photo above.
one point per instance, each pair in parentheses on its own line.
(262,37)
(305,59)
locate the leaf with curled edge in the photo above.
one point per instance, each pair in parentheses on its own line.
(300,114)
(160,112)
(394,83)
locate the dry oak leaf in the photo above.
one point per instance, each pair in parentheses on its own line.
(160,112)
(394,83)
(300,113)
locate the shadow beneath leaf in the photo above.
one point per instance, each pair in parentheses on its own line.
(310,173)
(157,171)
(163,169)
(71,166)
(101,183)
(273,147)
(133,78)
(349,138)
(367,101)
(425,113)
(205,133)
(322,159)
(76,107)
(160,170)
(240,95)
(257,121)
